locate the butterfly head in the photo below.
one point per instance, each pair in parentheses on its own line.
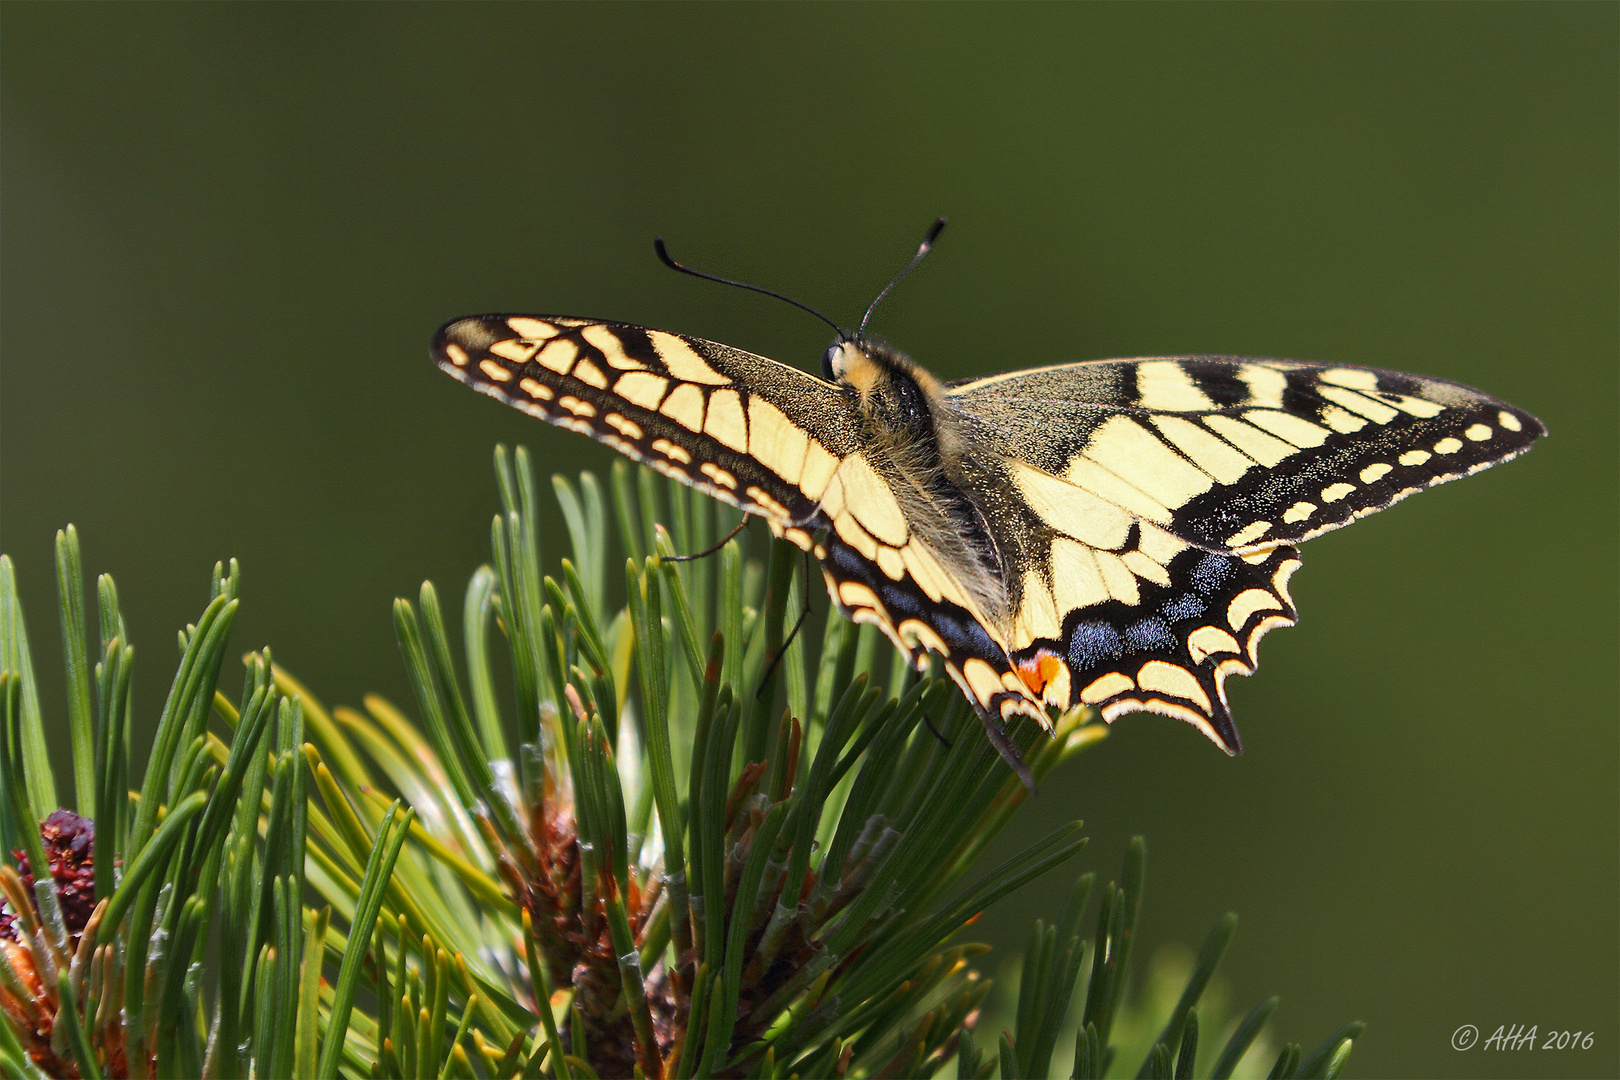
(891,391)
(842,356)
(869,367)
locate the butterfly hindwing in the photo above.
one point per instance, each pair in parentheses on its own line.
(1241,454)
(1168,646)
(1165,641)
(743,428)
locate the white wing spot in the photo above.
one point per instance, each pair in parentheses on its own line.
(1165,385)
(683,362)
(642,388)
(1266,385)
(1266,449)
(1279,579)
(718,475)
(1375,471)
(458,356)
(1173,679)
(1212,455)
(1479,432)
(1248,534)
(670,450)
(1354,378)
(1110,685)
(725,420)
(856,537)
(923,635)
(536,389)
(494,370)
(1342,420)
(577,407)
(1416,406)
(1509,421)
(982,678)
(588,373)
(1448,446)
(684,405)
(1376,411)
(854,594)
(532,329)
(1246,603)
(1335,492)
(1299,512)
(1141,459)
(1288,427)
(628,428)
(1414,457)
(1207,641)
(764,498)
(516,351)
(559,356)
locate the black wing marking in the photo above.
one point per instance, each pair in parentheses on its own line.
(1241,454)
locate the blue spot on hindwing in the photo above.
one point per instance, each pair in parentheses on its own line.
(1149,633)
(1091,643)
(901,602)
(1211,572)
(1185,606)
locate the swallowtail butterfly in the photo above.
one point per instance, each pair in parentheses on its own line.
(1113,533)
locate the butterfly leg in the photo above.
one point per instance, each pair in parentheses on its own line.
(943,741)
(1002,741)
(706,552)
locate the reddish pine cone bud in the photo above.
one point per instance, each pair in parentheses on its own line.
(70,846)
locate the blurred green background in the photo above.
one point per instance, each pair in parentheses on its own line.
(228,231)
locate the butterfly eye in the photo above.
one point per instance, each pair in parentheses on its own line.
(828,361)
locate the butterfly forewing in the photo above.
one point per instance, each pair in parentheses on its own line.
(1241,454)
(715,417)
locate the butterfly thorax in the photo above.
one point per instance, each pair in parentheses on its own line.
(914,437)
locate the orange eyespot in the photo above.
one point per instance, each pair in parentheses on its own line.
(1038,671)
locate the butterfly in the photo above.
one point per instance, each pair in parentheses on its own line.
(1110,533)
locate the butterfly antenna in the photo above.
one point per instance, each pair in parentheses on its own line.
(922,249)
(664,257)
